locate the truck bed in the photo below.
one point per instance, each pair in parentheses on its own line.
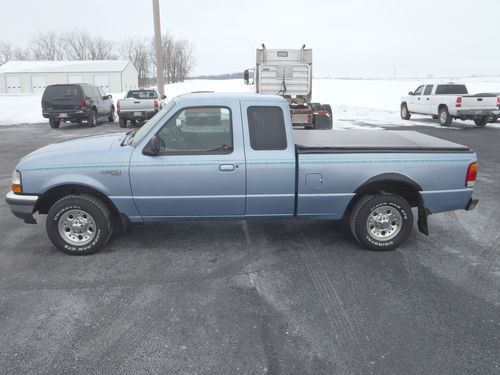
(342,141)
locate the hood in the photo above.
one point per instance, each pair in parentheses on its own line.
(86,144)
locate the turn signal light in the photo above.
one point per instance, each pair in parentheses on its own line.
(471,175)
(17,189)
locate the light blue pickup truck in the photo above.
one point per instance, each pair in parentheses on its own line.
(236,156)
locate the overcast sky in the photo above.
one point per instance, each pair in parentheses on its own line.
(358,38)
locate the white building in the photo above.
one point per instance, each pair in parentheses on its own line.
(31,77)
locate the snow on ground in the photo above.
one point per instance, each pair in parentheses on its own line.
(356,103)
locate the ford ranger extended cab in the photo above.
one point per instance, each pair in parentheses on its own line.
(451,101)
(213,156)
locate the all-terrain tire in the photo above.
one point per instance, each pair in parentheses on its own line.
(92,120)
(372,213)
(445,118)
(405,114)
(481,121)
(75,213)
(111,117)
(54,123)
(122,122)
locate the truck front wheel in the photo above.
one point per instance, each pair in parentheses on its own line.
(405,114)
(79,224)
(381,221)
(445,118)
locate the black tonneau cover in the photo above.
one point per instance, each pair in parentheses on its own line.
(318,141)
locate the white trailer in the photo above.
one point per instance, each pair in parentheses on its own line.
(288,73)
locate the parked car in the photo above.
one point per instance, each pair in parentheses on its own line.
(495,95)
(447,102)
(139,105)
(76,103)
(214,156)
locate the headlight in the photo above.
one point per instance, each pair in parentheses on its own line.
(17,186)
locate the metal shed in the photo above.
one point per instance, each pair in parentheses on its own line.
(31,77)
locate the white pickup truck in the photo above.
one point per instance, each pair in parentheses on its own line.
(447,102)
(139,105)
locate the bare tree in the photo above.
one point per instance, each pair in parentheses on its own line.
(22,54)
(177,57)
(100,49)
(76,45)
(46,46)
(6,52)
(137,51)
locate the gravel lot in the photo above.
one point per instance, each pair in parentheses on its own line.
(227,297)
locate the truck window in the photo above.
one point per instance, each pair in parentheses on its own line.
(451,90)
(419,90)
(198,130)
(142,94)
(267,128)
(428,89)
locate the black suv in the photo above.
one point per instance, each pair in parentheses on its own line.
(76,103)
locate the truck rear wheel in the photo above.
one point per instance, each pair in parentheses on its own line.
(79,225)
(445,118)
(382,221)
(328,108)
(54,123)
(92,120)
(481,121)
(111,117)
(405,114)
(122,122)
(315,107)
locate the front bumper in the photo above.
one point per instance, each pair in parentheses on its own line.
(22,206)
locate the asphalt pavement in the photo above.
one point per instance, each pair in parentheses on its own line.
(256,297)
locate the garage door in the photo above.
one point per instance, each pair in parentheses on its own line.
(102,81)
(75,79)
(13,84)
(38,83)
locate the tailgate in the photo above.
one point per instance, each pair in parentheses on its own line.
(132,104)
(479,102)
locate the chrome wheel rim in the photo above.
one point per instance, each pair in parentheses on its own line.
(443,116)
(384,223)
(77,227)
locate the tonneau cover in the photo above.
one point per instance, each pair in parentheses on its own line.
(316,141)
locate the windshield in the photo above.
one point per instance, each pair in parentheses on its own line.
(141,133)
(142,94)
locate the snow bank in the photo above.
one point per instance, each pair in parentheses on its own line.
(357,103)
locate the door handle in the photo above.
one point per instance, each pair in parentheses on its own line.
(427,98)
(418,98)
(226,167)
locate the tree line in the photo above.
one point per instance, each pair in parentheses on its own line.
(78,45)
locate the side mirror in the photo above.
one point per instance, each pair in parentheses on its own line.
(410,93)
(164,96)
(110,96)
(248,76)
(153,146)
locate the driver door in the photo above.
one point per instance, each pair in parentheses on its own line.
(200,170)
(415,100)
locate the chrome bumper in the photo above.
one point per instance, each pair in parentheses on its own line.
(22,206)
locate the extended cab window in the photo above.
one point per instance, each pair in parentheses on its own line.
(198,130)
(428,89)
(419,90)
(267,128)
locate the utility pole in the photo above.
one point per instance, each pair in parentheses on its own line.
(158,46)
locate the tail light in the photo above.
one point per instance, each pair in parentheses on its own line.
(458,104)
(498,102)
(44,105)
(83,104)
(471,175)
(118,106)
(156,105)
